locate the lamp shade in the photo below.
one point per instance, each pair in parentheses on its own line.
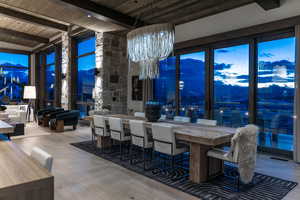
(29,92)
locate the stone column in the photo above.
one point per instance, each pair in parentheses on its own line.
(98,90)
(66,48)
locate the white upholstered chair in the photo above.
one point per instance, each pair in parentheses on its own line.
(100,126)
(139,137)
(118,133)
(182,119)
(45,159)
(242,152)
(139,114)
(207,122)
(165,140)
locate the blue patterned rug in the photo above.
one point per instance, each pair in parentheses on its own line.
(221,188)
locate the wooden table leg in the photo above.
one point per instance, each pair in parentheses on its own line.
(103,142)
(60,127)
(46,121)
(198,163)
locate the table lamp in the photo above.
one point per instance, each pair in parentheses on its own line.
(29,93)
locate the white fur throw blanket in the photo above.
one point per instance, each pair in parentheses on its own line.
(244,149)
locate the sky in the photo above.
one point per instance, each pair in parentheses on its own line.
(13,58)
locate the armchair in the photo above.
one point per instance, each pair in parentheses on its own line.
(68,118)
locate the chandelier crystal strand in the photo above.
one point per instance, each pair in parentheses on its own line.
(149,44)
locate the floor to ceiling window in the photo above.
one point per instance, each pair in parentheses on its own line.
(14,73)
(50,77)
(192,85)
(86,63)
(275,93)
(231,84)
(165,86)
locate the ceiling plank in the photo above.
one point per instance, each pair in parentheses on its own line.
(13,40)
(105,13)
(14,51)
(32,19)
(268,4)
(25,36)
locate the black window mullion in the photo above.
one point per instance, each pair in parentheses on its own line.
(177,94)
(252,80)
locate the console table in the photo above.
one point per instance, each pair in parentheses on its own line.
(6,128)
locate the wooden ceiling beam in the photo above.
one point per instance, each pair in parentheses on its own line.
(32,19)
(105,13)
(25,36)
(14,41)
(268,4)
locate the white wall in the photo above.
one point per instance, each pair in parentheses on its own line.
(238,18)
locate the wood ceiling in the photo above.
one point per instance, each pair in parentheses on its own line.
(33,22)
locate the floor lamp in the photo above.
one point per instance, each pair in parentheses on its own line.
(30,94)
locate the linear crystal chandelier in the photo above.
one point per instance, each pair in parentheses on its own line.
(149,44)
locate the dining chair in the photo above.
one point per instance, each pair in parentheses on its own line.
(139,114)
(242,152)
(165,141)
(41,156)
(139,138)
(100,127)
(182,119)
(207,122)
(118,133)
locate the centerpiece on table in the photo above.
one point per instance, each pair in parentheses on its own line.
(152,111)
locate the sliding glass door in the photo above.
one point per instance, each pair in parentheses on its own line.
(275,93)
(231,85)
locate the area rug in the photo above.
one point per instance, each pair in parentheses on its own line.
(221,188)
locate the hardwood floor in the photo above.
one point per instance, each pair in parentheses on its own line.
(82,176)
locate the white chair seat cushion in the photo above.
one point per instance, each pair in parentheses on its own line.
(220,154)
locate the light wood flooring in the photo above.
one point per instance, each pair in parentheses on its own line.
(82,176)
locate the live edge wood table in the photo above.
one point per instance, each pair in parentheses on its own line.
(21,177)
(201,139)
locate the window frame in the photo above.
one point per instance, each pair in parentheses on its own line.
(78,40)
(252,41)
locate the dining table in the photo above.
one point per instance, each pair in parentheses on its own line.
(201,139)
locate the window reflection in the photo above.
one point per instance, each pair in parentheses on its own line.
(275,93)
(231,83)
(50,77)
(13,75)
(192,85)
(165,86)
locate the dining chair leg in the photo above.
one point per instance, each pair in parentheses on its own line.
(144,159)
(120,150)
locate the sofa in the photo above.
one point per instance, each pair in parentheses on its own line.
(16,113)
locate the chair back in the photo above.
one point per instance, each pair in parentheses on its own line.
(45,159)
(244,149)
(116,128)
(182,119)
(207,122)
(164,138)
(100,125)
(139,114)
(138,133)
